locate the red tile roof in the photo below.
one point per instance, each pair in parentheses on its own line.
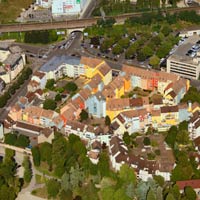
(147,74)
(91,62)
(195,184)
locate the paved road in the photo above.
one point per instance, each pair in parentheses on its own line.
(77,23)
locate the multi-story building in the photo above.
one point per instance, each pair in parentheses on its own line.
(12,61)
(63,65)
(67,7)
(149,80)
(185,61)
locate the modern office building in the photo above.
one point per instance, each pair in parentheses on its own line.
(67,7)
(185,61)
(44,3)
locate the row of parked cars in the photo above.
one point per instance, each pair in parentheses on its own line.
(193,51)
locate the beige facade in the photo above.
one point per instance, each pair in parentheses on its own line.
(186,59)
(186,68)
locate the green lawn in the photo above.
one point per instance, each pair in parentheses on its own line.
(39,179)
(40,192)
(11,9)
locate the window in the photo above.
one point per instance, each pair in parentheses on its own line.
(95,108)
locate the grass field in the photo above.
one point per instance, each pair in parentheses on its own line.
(11,9)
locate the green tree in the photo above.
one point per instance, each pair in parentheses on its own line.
(183,137)
(83,115)
(127,174)
(120,194)
(71,87)
(65,182)
(10,138)
(107,120)
(166,30)
(66,195)
(164,50)
(22,141)
(141,56)
(154,61)
(124,43)
(159,179)
(60,147)
(130,190)
(170,197)
(36,156)
(76,177)
(46,152)
(103,164)
(53,187)
(190,193)
(58,97)
(131,51)
(181,172)
(107,193)
(27,170)
(49,104)
(146,141)
(7,193)
(117,49)
(50,84)
(171,136)
(183,126)
(126,138)
(147,51)
(151,195)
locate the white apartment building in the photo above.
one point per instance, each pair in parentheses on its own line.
(12,61)
(63,65)
(185,61)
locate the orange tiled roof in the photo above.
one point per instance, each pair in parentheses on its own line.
(91,62)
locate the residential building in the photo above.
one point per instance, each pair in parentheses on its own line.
(194,30)
(175,91)
(62,65)
(115,89)
(95,84)
(195,184)
(12,61)
(38,81)
(169,115)
(194,125)
(183,112)
(95,66)
(97,105)
(116,106)
(138,158)
(149,80)
(37,134)
(185,60)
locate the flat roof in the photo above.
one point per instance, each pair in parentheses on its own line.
(180,53)
(12,59)
(56,61)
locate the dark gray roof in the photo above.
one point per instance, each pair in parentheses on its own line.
(12,59)
(56,61)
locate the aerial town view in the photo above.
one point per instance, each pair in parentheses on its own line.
(100,99)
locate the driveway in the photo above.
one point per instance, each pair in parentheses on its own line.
(27,195)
